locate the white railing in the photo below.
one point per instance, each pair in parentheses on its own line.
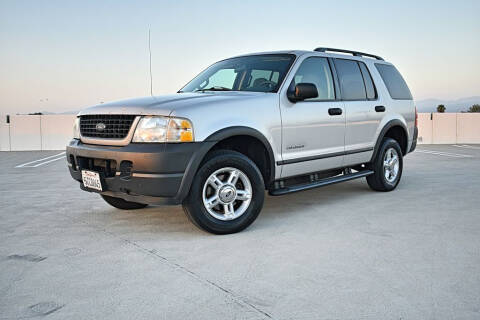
(53,132)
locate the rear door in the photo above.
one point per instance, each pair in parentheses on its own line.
(312,135)
(362,109)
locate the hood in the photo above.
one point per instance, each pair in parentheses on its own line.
(166,104)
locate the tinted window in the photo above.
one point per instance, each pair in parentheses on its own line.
(261,73)
(351,80)
(397,87)
(367,78)
(316,71)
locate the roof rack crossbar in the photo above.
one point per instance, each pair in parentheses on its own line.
(355,53)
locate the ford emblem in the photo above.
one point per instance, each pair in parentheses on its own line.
(100,126)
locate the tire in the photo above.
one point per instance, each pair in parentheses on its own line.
(237,197)
(123,204)
(386,176)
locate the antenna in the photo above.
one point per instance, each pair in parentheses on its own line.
(150,53)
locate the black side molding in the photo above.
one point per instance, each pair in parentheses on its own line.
(323,156)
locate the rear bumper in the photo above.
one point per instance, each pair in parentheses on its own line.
(414,141)
(145,173)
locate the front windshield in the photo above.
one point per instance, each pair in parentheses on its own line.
(257,73)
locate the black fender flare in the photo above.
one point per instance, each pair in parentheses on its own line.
(390,124)
(209,143)
(247,131)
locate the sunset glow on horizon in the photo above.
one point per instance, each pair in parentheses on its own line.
(62,55)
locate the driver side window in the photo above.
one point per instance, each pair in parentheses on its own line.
(316,70)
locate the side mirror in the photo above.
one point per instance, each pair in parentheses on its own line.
(301,92)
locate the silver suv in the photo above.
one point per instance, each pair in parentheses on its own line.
(279,121)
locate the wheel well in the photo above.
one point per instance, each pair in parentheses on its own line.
(398,133)
(251,147)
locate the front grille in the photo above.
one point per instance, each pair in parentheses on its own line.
(114,126)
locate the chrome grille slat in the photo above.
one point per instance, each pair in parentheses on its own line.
(117,126)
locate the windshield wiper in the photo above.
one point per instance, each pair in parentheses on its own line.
(215,88)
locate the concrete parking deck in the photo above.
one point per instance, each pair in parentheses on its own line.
(338,252)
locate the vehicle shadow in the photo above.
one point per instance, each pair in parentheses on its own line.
(172,220)
(323,198)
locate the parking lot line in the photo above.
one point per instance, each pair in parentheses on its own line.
(28,164)
(466,146)
(446,154)
(45,162)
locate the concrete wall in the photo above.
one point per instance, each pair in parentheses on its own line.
(425,128)
(25,133)
(57,131)
(52,132)
(4,134)
(448,128)
(35,132)
(444,128)
(468,127)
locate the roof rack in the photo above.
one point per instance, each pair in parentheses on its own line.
(355,53)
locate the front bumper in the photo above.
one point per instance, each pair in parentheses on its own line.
(147,173)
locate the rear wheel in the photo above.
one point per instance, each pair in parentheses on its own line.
(227,193)
(123,204)
(387,167)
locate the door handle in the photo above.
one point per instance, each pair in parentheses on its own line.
(334,111)
(380,108)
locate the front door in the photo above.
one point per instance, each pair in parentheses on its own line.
(313,130)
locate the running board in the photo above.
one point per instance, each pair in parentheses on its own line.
(320,183)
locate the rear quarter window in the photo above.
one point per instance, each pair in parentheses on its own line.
(396,85)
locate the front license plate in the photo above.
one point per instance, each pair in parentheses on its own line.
(91,179)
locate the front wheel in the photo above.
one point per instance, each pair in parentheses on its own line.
(387,167)
(123,204)
(227,193)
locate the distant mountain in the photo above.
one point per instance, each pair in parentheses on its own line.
(463,104)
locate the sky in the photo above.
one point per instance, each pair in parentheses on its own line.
(66,55)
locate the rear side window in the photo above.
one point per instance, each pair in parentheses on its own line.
(397,87)
(367,78)
(351,80)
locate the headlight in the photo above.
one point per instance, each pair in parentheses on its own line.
(151,129)
(163,129)
(76,128)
